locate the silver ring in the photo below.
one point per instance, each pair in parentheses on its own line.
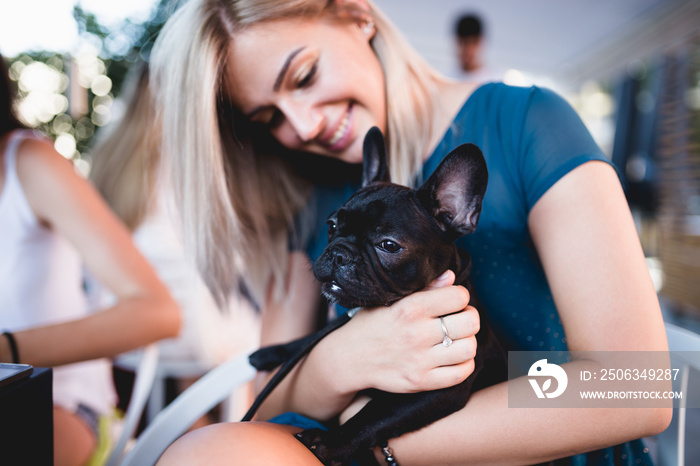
(446,341)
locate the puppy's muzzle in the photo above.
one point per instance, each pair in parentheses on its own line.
(340,256)
(336,260)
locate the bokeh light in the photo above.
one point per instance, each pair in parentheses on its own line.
(64,96)
(101,85)
(90,67)
(65,145)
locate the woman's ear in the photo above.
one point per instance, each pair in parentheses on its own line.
(368,28)
(361,13)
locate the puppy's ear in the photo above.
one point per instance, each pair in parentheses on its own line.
(374,166)
(454,192)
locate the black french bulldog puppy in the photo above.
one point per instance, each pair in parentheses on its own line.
(386,242)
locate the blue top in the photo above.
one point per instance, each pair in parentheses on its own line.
(530,138)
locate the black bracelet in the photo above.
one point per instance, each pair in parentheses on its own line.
(13,346)
(388,454)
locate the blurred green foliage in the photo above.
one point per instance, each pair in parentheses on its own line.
(125,45)
(118,47)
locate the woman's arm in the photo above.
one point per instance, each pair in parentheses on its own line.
(396,348)
(596,268)
(588,244)
(70,206)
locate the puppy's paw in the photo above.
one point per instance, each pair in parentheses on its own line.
(322,444)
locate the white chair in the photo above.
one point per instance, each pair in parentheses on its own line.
(145,374)
(174,420)
(685,356)
(164,370)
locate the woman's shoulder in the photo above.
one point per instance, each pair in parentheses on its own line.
(41,170)
(502,96)
(37,159)
(490,105)
(500,105)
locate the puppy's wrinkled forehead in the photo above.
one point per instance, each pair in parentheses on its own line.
(379,207)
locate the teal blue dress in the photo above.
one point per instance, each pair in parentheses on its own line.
(530,138)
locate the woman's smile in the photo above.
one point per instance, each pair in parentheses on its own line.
(341,136)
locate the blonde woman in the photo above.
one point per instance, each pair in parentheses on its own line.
(255,95)
(52,222)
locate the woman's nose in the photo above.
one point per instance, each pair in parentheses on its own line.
(306,122)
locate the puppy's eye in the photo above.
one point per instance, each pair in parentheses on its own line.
(390,246)
(331,228)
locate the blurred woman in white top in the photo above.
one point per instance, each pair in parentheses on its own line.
(52,222)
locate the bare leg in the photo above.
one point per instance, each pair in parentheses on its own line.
(249,443)
(74,441)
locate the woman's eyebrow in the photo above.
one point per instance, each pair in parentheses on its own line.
(278,81)
(285,67)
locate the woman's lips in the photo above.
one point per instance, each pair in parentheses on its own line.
(342,134)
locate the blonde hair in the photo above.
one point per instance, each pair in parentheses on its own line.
(239,202)
(126,156)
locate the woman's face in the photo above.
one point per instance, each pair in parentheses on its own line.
(316,84)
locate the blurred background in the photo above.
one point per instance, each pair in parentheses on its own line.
(631,68)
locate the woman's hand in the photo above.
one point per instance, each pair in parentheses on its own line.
(400,348)
(397,348)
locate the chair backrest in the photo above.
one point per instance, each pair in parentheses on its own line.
(143,382)
(190,405)
(685,356)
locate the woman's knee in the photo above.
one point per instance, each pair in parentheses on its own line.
(74,441)
(250,443)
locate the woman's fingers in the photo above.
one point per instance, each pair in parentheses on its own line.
(455,342)
(435,302)
(406,343)
(459,352)
(446,279)
(459,325)
(447,376)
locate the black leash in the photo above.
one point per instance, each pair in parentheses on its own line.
(307,343)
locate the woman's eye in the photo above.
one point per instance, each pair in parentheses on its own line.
(275,119)
(270,117)
(389,246)
(331,229)
(308,77)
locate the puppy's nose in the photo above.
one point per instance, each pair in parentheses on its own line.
(341,257)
